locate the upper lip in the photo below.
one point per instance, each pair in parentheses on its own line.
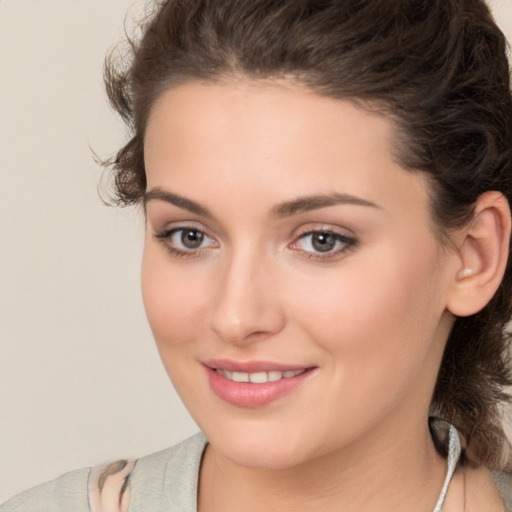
(252,366)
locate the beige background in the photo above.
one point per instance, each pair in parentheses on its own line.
(80,379)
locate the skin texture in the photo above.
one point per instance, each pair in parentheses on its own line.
(370,316)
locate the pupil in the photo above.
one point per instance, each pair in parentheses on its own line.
(192,239)
(323,242)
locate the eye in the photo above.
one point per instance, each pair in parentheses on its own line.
(188,238)
(185,241)
(323,243)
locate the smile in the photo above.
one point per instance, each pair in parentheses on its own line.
(254,384)
(259,377)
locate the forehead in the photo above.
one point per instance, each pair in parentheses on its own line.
(276,138)
(263,111)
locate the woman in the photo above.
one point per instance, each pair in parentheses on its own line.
(326,268)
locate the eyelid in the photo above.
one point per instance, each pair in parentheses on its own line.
(161,228)
(324,228)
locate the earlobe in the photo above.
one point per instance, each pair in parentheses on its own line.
(482,250)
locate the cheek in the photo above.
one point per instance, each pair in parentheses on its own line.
(173,301)
(377,320)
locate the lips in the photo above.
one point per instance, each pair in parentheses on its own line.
(253,384)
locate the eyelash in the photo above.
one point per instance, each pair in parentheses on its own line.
(348,243)
(165,237)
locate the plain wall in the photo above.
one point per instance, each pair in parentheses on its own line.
(80,378)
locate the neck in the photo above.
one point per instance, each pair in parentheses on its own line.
(384,472)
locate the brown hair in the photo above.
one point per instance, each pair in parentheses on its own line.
(438,69)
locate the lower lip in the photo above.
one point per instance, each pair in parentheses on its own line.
(246,394)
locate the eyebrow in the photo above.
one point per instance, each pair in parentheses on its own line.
(308,203)
(176,200)
(286,209)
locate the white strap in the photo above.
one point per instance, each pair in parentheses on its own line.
(454,450)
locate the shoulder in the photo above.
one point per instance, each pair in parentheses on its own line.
(166,479)
(67,493)
(503,482)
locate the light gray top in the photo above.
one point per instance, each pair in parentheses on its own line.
(165,482)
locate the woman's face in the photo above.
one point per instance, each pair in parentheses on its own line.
(291,277)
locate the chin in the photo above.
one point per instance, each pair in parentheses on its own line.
(261,456)
(259,448)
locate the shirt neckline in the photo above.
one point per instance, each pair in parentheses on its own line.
(454,452)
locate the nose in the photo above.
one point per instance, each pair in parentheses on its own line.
(247,305)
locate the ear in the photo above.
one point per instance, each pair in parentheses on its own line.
(482,248)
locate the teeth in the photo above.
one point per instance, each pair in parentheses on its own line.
(240,377)
(273,376)
(259,377)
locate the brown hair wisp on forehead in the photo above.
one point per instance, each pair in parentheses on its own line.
(437,68)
